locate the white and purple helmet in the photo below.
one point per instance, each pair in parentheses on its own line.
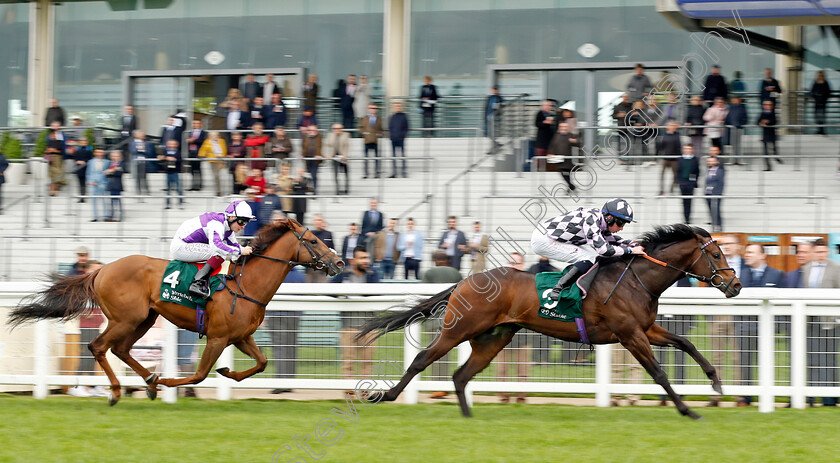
(240,210)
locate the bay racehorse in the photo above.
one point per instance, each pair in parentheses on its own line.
(488,308)
(128,292)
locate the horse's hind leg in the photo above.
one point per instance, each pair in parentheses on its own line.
(485,347)
(638,345)
(115,333)
(659,336)
(249,347)
(122,349)
(212,351)
(425,358)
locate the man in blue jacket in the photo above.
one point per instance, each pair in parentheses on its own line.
(398,130)
(756,274)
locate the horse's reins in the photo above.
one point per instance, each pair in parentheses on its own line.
(685,272)
(237,277)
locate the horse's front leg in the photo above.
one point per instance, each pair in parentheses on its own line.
(638,345)
(659,336)
(212,351)
(249,347)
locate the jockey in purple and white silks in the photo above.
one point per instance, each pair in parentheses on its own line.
(582,235)
(211,237)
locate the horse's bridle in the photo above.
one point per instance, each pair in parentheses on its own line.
(687,272)
(319,264)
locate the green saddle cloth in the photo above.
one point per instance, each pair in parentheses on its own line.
(570,304)
(175,286)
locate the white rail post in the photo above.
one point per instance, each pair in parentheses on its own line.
(224,388)
(411,393)
(798,354)
(766,359)
(170,360)
(464,352)
(603,369)
(42,359)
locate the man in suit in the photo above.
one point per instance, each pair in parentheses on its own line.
(347,97)
(478,246)
(351,241)
(129,125)
(141,150)
(823,344)
(170,131)
(195,139)
(746,327)
(236,119)
(793,279)
(171,160)
(336,148)
(310,92)
(386,254)
(721,327)
(371,129)
(688,169)
(767,120)
(270,88)
(453,242)
(250,89)
(55,113)
(714,187)
(371,222)
(275,115)
(398,130)
(428,102)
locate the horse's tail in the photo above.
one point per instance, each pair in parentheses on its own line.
(395,320)
(67,298)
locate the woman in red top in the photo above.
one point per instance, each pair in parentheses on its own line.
(256,146)
(257,182)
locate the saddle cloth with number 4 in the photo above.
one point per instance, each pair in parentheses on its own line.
(177,278)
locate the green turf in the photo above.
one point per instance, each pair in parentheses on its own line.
(65,429)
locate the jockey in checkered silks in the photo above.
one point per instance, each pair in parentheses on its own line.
(582,235)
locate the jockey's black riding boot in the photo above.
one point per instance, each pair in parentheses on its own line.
(569,278)
(200,286)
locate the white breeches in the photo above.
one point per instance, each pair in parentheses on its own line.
(564,252)
(191,252)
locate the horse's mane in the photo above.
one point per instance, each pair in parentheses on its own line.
(269,234)
(666,235)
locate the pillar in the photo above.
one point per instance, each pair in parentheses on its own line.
(41,53)
(789,73)
(396,45)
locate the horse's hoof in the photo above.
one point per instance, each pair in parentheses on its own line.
(223,371)
(717,388)
(151,393)
(112,399)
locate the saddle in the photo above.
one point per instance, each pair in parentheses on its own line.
(569,307)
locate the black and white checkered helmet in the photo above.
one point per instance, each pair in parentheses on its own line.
(619,208)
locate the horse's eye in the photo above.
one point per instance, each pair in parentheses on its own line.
(313,241)
(716,255)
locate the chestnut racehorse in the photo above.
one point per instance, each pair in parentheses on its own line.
(488,308)
(128,291)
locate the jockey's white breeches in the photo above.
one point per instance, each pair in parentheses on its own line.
(192,252)
(564,252)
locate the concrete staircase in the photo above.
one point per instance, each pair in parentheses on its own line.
(54,227)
